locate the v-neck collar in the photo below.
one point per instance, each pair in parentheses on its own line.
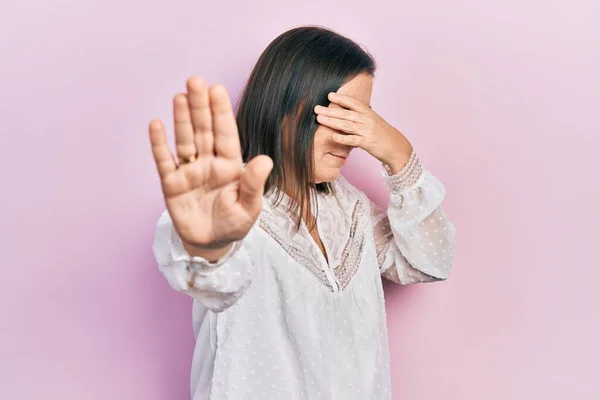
(340,224)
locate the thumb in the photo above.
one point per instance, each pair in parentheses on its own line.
(253,180)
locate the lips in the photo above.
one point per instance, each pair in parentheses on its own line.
(339,155)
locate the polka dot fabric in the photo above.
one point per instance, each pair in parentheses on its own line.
(274,320)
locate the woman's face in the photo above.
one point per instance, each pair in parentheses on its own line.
(329,156)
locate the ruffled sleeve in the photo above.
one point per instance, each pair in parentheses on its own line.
(215,285)
(415,240)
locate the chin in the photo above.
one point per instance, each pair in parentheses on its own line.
(328,175)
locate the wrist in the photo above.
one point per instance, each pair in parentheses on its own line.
(212,254)
(405,177)
(398,162)
(400,157)
(396,165)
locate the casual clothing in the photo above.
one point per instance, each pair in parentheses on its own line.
(274,320)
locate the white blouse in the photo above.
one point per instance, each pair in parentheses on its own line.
(274,320)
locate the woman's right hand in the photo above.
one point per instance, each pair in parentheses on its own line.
(211,198)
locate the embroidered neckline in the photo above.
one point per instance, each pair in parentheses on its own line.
(351,254)
(269,224)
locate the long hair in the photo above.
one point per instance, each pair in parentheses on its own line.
(275,112)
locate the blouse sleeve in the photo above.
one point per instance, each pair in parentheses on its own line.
(415,240)
(215,285)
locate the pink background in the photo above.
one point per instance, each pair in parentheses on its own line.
(501,102)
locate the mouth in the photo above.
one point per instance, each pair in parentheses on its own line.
(340,156)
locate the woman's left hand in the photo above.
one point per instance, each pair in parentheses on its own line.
(362,127)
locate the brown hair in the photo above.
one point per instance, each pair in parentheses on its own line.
(275,112)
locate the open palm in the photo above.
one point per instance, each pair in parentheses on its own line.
(212,199)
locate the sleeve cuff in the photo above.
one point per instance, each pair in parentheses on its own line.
(179,254)
(406,177)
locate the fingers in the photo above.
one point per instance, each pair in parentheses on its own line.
(184,130)
(349,140)
(165,162)
(343,125)
(199,108)
(340,113)
(348,102)
(227,140)
(253,181)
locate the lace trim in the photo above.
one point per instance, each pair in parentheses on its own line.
(407,176)
(269,225)
(352,253)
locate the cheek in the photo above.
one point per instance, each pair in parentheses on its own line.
(323,142)
(320,142)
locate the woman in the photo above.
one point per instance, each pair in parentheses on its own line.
(282,256)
